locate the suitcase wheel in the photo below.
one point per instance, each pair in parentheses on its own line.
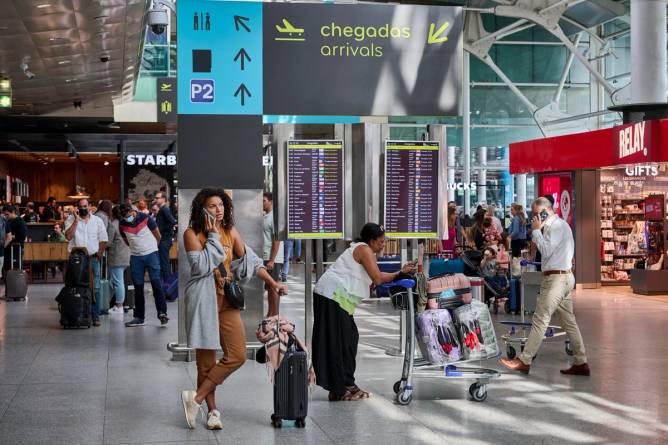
(300,423)
(510,352)
(276,422)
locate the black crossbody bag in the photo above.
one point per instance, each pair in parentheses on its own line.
(233,291)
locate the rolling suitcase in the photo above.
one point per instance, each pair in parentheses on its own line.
(105,291)
(476,331)
(16,287)
(512,305)
(448,290)
(129,302)
(74,307)
(437,337)
(171,287)
(291,388)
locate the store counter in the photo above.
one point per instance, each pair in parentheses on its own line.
(649,282)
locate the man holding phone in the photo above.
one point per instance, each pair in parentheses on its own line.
(554,239)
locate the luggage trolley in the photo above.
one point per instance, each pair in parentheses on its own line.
(518,334)
(421,368)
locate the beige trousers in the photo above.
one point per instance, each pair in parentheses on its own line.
(555,296)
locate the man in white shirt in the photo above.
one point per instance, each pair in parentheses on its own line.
(554,239)
(82,229)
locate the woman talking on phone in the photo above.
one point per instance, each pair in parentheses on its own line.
(212,319)
(335,296)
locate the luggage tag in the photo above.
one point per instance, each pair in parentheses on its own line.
(448,293)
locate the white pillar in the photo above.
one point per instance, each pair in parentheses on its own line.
(451,172)
(482,177)
(648,51)
(466,130)
(521,187)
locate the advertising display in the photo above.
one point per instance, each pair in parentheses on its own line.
(560,187)
(147,174)
(315,189)
(411,189)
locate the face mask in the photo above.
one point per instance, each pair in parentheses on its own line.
(129,218)
(83,212)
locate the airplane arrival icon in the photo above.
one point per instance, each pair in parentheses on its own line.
(295,34)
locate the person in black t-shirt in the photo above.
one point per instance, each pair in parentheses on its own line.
(17,231)
(30,216)
(166,224)
(51,212)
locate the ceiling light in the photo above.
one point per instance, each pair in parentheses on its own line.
(43,5)
(101,17)
(106,162)
(5,84)
(70,80)
(56,39)
(130,68)
(64,62)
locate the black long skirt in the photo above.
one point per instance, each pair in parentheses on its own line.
(335,339)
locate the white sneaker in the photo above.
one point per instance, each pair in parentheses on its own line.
(116,311)
(190,408)
(213,421)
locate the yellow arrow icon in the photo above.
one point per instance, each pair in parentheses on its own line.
(435,37)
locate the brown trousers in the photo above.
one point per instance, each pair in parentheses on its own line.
(233,341)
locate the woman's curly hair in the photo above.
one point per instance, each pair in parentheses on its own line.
(197,222)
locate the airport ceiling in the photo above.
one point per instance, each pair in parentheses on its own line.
(62,43)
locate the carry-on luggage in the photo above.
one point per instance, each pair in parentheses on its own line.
(454,285)
(78,269)
(445,266)
(437,337)
(74,307)
(513,304)
(16,280)
(476,331)
(291,388)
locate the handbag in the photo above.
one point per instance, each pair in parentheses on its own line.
(233,291)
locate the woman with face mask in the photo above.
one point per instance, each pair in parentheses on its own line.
(212,242)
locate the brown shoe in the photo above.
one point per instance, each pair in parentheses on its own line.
(582,369)
(515,364)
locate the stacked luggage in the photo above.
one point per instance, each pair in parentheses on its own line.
(449,330)
(74,300)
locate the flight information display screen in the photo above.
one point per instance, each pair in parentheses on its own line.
(315,189)
(411,189)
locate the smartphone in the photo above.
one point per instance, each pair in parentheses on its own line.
(209,216)
(543,215)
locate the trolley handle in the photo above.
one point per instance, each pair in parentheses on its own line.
(405,283)
(528,263)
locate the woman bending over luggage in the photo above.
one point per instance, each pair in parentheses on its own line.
(214,321)
(335,296)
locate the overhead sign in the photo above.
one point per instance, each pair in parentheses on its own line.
(633,143)
(319,59)
(411,189)
(159,160)
(166,99)
(315,189)
(220,57)
(362,59)
(147,174)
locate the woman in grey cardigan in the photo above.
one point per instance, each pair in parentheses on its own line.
(118,259)
(211,243)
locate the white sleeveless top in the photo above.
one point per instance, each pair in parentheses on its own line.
(346,273)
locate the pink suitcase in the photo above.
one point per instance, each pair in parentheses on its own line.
(456,285)
(437,337)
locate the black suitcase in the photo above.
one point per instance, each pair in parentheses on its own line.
(74,307)
(291,389)
(16,281)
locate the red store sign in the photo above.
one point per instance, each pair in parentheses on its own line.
(633,143)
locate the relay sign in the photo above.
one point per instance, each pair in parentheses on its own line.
(411,189)
(315,189)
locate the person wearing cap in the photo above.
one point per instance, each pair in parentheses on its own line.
(140,232)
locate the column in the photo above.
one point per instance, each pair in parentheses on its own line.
(482,177)
(466,130)
(451,172)
(521,188)
(648,51)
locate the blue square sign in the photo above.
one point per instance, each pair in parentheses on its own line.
(202,90)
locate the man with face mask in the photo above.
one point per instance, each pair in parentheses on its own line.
(83,229)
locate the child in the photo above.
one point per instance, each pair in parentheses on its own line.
(492,236)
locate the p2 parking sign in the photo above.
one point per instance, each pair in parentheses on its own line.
(202,90)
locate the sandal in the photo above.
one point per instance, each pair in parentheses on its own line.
(354,393)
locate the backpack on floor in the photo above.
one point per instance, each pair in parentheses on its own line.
(74,307)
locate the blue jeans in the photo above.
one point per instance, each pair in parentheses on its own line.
(287,254)
(97,276)
(165,263)
(138,265)
(117,282)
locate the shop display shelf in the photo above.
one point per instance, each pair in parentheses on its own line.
(630,255)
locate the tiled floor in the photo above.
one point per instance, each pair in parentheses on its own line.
(115,385)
